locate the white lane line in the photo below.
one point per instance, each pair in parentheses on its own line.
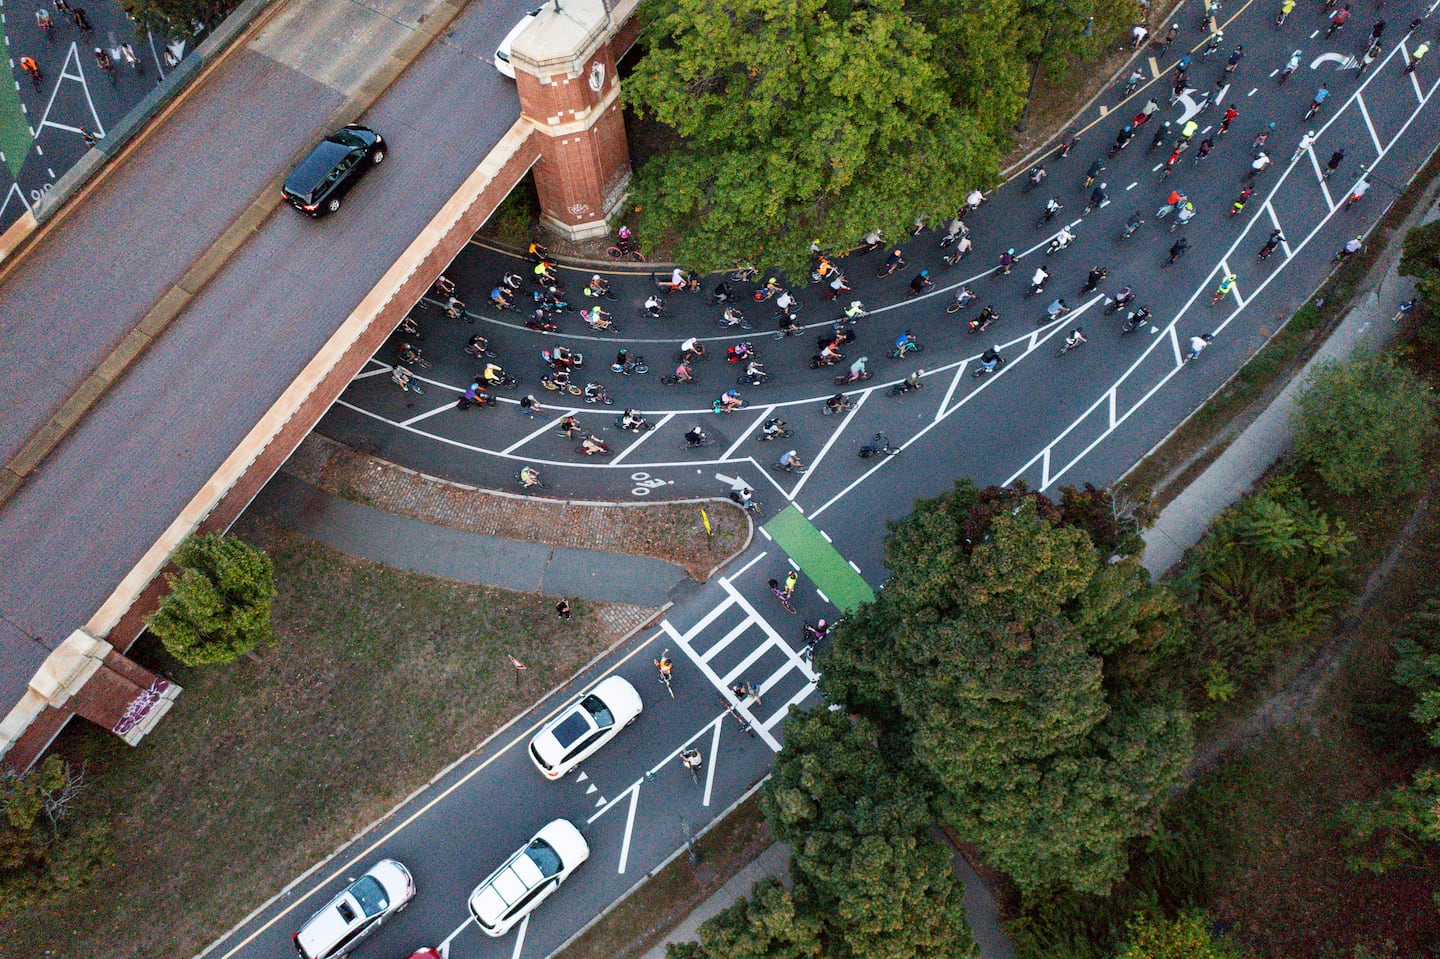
(624,859)
(1145,398)
(520,938)
(727,639)
(444,947)
(429,413)
(369,373)
(1035,340)
(741,571)
(1112,407)
(549,424)
(643,437)
(950,393)
(829,443)
(764,413)
(1365,113)
(1132,186)
(714,761)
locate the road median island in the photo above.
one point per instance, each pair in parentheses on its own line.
(673,532)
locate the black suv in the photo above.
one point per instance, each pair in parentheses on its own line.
(327,173)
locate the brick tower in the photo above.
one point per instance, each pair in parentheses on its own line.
(565,72)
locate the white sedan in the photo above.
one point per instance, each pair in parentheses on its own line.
(575,735)
(511,892)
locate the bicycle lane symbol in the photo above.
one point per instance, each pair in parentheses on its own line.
(644,483)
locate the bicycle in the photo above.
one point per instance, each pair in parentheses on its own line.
(774,585)
(782,468)
(1071,342)
(412,357)
(879,444)
(622,250)
(404,379)
(534,483)
(897,352)
(1403,310)
(745,274)
(905,386)
(635,365)
(730,708)
(664,667)
(690,759)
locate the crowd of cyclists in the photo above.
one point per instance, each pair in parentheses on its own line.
(742,298)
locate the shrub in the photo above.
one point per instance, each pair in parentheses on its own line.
(219,605)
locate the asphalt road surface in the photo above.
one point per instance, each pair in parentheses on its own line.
(1082,417)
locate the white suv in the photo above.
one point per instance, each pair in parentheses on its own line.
(575,735)
(359,909)
(528,877)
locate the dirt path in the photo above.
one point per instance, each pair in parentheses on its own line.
(1296,702)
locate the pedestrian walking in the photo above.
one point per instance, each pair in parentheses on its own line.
(1337,20)
(1161,135)
(88,137)
(1276,238)
(792,579)
(1376,29)
(1262,136)
(1198,344)
(1231,63)
(1290,67)
(1230,114)
(1416,56)
(81,20)
(1333,163)
(1413,24)
(1306,141)
(562,609)
(1188,131)
(1203,150)
(1370,57)
(1357,192)
(1177,250)
(1226,286)
(1257,166)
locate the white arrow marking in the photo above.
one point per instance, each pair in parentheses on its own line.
(732,480)
(1345,61)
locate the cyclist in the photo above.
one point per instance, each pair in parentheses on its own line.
(1097,197)
(683,373)
(529,476)
(31,68)
(537,252)
(695,436)
(790,461)
(855,310)
(722,293)
(1062,240)
(1133,224)
(1036,175)
(1094,278)
(1291,66)
(1188,130)
(1052,207)
(1224,289)
(921,282)
(1258,165)
(1358,192)
(984,319)
(596,318)
(1123,298)
(529,406)
(493,374)
(1094,171)
(1038,281)
(991,358)
(1057,309)
(773,427)
(631,420)
(1321,95)
(1203,150)
(43,20)
(786,301)
(1276,238)
(690,759)
(857,369)
(693,347)
(893,262)
(1007,260)
(837,403)
(499,299)
(597,286)
(838,286)
(1122,139)
(570,426)
(664,665)
(905,342)
(544,275)
(1175,200)
(1352,246)
(973,200)
(402,377)
(592,445)
(1239,205)
(732,316)
(1076,337)
(731,401)
(964,296)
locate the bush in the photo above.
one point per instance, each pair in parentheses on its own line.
(1363,426)
(1265,576)
(219,605)
(44,851)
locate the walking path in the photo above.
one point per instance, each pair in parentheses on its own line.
(1368,325)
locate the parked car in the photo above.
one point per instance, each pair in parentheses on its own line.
(320,181)
(575,735)
(527,878)
(359,909)
(502,52)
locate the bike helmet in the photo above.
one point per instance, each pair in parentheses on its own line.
(1011,251)
(1271,125)
(820,623)
(924,273)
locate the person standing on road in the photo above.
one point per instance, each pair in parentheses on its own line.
(1337,20)
(1306,142)
(1230,114)
(1333,163)
(1416,56)
(1276,238)
(1198,344)
(1177,250)
(791,581)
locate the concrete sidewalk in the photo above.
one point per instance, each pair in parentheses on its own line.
(464,556)
(1183,522)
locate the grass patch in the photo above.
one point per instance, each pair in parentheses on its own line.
(645,917)
(266,765)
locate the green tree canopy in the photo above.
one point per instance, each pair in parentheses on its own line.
(862,858)
(801,120)
(1421,260)
(1003,656)
(176,16)
(765,925)
(1364,425)
(44,849)
(1187,936)
(219,606)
